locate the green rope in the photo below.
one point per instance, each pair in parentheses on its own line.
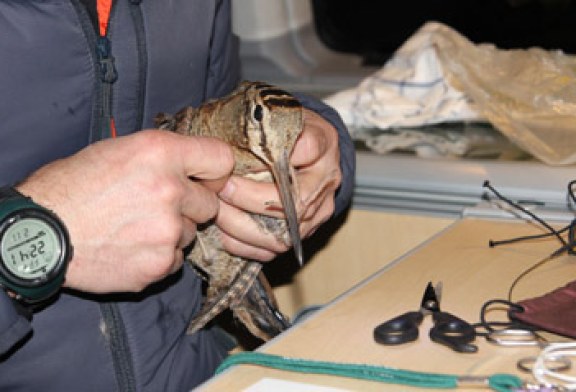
(504,382)
(498,382)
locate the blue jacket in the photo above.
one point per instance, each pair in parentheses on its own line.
(167,54)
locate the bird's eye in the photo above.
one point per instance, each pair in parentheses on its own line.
(258,113)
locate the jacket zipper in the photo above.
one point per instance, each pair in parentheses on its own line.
(91,37)
(102,121)
(108,74)
(118,343)
(111,315)
(138,20)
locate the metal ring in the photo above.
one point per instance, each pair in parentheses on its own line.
(553,363)
(513,337)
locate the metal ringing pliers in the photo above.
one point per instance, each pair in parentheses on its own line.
(448,329)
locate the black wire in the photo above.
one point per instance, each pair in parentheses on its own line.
(571,191)
(527,212)
(566,246)
(493,243)
(532,268)
(492,326)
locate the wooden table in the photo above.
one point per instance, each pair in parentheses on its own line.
(471,272)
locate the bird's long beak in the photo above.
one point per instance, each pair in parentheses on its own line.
(282,174)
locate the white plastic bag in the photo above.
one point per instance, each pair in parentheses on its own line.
(528,95)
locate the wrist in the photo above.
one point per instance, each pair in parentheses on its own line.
(34,248)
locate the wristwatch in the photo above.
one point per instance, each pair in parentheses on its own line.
(34,248)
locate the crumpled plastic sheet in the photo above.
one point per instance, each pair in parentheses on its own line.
(439,76)
(458,140)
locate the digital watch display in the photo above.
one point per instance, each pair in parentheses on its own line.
(34,248)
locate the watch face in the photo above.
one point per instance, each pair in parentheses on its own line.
(30,248)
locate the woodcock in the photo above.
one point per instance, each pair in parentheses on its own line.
(261,123)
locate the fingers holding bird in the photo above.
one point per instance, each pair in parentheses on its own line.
(318,176)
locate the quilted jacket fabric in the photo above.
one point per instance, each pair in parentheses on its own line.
(167,54)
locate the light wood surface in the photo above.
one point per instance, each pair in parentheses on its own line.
(471,272)
(365,243)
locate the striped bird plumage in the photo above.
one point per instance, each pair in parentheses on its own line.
(261,123)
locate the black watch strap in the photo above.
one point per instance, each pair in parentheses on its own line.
(8,192)
(23,309)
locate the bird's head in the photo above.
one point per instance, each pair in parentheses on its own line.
(274,120)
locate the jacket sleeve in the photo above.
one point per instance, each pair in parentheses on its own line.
(347,153)
(13,326)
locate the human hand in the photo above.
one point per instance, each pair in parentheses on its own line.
(130,206)
(316,157)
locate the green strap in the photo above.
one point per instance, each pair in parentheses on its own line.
(498,382)
(504,382)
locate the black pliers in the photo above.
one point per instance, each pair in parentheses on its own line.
(448,329)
